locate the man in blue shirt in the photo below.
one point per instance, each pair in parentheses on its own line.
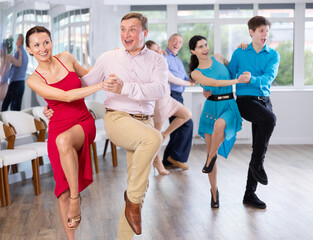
(253,99)
(17,75)
(178,148)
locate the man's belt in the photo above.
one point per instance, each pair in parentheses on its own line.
(136,116)
(221,97)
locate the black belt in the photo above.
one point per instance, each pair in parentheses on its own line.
(259,98)
(221,97)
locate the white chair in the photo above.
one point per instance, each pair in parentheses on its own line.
(37,112)
(25,124)
(98,110)
(8,157)
(2,194)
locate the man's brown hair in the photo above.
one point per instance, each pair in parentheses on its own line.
(258,21)
(143,20)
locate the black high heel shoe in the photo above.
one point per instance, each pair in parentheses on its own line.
(208,169)
(217,203)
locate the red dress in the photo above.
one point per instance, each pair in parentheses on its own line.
(65,116)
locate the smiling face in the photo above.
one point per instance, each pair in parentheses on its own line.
(40,46)
(156,48)
(201,50)
(260,35)
(133,35)
(174,44)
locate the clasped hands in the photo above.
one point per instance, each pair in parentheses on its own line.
(112,84)
(245,77)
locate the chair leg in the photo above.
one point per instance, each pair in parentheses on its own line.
(90,154)
(114,154)
(38,174)
(40,161)
(35,175)
(14,168)
(6,184)
(105,147)
(2,194)
(95,156)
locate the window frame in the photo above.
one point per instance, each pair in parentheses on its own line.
(298,20)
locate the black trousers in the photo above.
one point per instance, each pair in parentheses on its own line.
(180,142)
(14,96)
(258,111)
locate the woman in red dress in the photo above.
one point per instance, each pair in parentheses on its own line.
(71,129)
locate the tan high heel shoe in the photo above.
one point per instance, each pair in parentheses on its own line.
(161,169)
(73,222)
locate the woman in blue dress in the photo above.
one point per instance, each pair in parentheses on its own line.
(220,119)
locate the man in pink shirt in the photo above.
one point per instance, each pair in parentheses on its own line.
(134,77)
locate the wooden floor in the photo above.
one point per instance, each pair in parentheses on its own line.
(178,206)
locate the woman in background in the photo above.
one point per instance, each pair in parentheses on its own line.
(5,61)
(167,107)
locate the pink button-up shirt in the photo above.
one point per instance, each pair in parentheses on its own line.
(144,77)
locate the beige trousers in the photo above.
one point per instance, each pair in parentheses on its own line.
(142,142)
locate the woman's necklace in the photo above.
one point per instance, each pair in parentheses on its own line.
(211,64)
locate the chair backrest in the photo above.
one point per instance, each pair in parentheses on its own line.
(7,133)
(38,114)
(97,108)
(2,133)
(22,122)
(28,110)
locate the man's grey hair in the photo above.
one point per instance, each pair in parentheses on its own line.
(174,35)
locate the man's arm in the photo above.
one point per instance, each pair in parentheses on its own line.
(270,72)
(96,73)
(17,59)
(154,90)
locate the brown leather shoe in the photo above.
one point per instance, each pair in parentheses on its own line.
(177,164)
(133,215)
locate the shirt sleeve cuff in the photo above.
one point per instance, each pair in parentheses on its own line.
(125,89)
(253,80)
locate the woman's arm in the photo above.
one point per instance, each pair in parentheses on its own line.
(14,61)
(36,83)
(178,81)
(206,81)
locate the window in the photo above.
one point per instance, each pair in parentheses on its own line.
(281,38)
(71,33)
(195,11)
(157,26)
(308,80)
(231,36)
(9,25)
(27,19)
(188,30)
(236,10)
(277,10)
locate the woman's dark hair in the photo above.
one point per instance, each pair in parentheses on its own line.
(36,29)
(194,62)
(149,43)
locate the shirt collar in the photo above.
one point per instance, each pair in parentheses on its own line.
(142,51)
(265,48)
(169,52)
